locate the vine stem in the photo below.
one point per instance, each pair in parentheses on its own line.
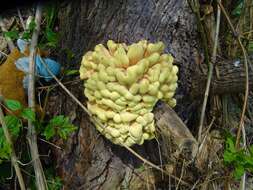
(14,159)
(31,135)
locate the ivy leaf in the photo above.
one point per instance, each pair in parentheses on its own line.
(13,124)
(28,114)
(13,104)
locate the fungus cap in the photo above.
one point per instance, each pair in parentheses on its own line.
(123,83)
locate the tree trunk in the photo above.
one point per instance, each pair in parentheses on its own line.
(88,160)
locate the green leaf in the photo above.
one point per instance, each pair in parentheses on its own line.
(13,104)
(71,72)
(12,34)
(239,171)
(230,145)
(52,37)
(229,157)
(32,25)
(49,132)
(5,148)
(66,130)
(69,53)
(13,124)
(26,35)
(55,183)
(57,120)
(28,114)
(59,125)
(237,11)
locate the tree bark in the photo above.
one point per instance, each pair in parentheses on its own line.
(229,77)
(88,160)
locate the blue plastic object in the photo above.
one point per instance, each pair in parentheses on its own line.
(40,70)
(22,44)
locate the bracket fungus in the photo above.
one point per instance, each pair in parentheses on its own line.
(123,84)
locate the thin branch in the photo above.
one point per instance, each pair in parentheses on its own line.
(14,159)
(9,41)
(210,74)
(41,182)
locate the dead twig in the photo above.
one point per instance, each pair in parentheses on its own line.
(41,182)
(209,77)
(21,18)
(14,159)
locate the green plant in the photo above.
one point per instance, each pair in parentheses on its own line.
(49,38)
(14,124)
(240,160)
(57,126)
(13,34)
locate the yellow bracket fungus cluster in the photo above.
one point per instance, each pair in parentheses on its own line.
(123,83)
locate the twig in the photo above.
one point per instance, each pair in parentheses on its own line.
(52,144)
(210,74)
(205,136)
(9,41)
(41,182)
(14,159)
(181,176)
(238,38)
(21,18)
(145,161)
